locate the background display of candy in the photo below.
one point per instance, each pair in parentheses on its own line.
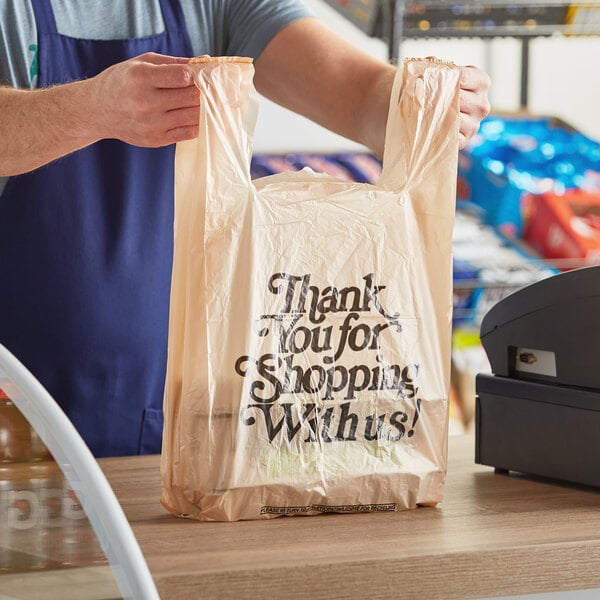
(488,266)
(360,167)
(535,183)
(564,228)
(516,155)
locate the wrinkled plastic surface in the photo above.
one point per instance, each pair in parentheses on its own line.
(309,339)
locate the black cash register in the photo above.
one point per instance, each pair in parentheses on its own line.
(539,411)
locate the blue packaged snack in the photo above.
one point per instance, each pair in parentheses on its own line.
(513,156)
(320,163)
(364,167)
(464,275)
(263,165)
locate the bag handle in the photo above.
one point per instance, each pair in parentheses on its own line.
(421,140)
(219,157)
(228,113)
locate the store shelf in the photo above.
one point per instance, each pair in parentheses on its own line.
(449,18)
(394,21)
(498,19)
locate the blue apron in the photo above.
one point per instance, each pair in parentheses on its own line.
(86,246)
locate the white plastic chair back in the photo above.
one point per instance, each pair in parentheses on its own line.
(85,477)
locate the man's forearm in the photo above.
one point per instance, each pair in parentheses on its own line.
(149,101)
(38,126)
(314,72)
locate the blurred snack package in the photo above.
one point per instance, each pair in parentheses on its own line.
(518,154)
(487,266)
(361,167)
(468,359)
(564,227)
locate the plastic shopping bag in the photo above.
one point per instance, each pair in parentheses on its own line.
(309,335)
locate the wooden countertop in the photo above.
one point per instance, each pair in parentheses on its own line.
(492,535)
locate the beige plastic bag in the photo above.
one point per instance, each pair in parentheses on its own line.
(309,340)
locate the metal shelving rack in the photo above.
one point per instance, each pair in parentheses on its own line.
(395,20)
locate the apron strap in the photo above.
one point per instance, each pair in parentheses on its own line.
(44,16)
(46,23)
(172,15)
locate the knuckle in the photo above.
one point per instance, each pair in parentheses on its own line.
(136,72)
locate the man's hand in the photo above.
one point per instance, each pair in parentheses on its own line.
(474,103)
(150,100)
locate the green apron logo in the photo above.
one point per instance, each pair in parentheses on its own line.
(33,67)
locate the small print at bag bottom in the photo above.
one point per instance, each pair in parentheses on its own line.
(309,335)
